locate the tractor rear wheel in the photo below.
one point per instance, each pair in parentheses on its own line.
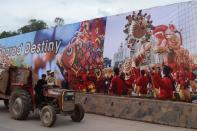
(78,113)
(20,104)
(48,116)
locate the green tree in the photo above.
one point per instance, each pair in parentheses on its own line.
(24,29)
(33,25)
(5,34)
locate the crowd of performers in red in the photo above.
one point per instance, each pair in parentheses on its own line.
(159,82)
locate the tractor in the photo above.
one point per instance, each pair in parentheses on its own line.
(17,92)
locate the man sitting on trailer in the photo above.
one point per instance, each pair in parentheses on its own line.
(51,80)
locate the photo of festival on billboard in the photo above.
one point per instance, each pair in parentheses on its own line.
(145,43)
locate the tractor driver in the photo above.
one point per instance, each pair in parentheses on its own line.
(39,88)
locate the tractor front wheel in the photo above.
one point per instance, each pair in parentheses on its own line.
(78,113)
(48,116)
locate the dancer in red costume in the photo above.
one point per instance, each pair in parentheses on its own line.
(142,82)
(117,83)
(164,84)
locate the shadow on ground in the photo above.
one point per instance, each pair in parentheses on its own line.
(3,109)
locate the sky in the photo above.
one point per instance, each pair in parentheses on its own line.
(16,13)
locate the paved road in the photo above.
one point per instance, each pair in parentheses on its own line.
(90,123)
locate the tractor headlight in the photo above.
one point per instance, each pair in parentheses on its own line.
(65,98)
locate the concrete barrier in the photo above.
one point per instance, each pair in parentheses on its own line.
(155,111)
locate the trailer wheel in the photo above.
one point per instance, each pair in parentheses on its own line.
(6,104)
(78,113)
(48,116)
(20,104)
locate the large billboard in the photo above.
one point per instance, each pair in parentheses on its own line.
(135,39)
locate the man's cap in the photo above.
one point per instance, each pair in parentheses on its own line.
(43,75)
